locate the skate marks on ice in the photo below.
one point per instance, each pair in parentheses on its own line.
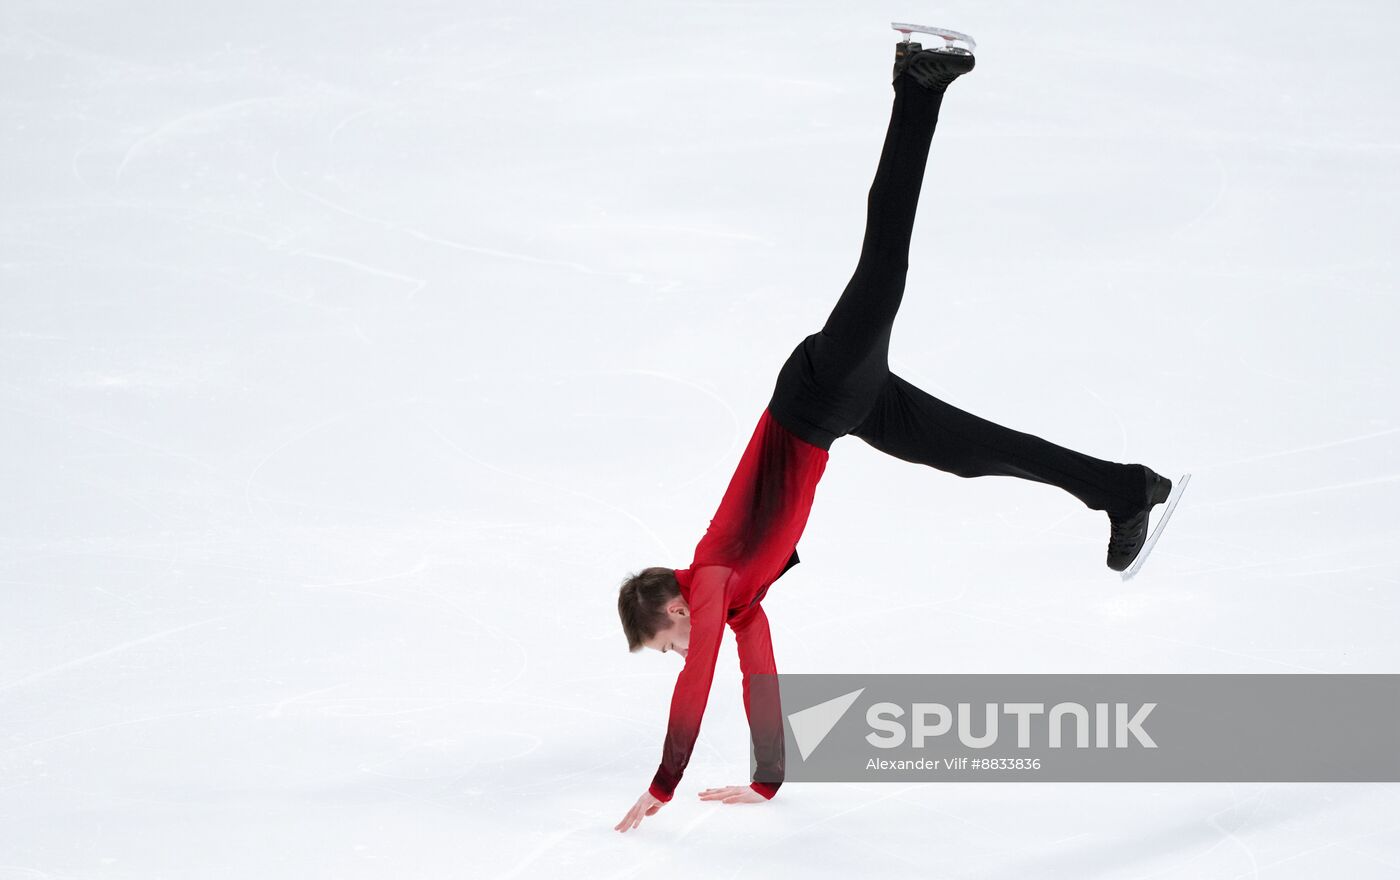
(1178,488)
(1299,450)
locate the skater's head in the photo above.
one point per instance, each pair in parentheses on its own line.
(654,614)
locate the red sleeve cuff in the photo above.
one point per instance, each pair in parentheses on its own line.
(663,796)
(765,789)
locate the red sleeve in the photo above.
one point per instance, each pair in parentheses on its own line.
(761,703)
(708,602)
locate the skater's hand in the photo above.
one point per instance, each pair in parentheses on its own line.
(646,805)
(733,794)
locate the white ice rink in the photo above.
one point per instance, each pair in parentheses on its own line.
(352,354)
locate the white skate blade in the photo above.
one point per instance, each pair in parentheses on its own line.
(949,37)
(1178,487)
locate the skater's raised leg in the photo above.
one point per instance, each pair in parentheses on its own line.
(830,380)
(860,322)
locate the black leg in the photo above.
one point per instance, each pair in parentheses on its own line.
(915,426)
(860,322)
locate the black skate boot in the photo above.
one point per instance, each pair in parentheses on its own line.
(903,50)
(1128,532)
(934,69)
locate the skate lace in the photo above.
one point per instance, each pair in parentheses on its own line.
(1124,534)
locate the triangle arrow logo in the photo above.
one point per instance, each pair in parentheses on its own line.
(811,725)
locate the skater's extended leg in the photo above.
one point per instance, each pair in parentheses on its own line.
(829,381)
(860,321)
(858,327)
(915,426)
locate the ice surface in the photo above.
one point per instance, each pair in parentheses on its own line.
(351,355)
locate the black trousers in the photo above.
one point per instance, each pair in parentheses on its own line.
(838,381)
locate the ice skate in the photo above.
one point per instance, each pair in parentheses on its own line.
(1129,542)
(937,67)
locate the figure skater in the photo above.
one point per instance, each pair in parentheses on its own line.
(837,382)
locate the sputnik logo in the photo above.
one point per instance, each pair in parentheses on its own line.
(811,725)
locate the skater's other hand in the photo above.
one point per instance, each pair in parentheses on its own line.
(732,794)
(646,805)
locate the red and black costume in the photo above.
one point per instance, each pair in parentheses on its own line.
(836,382)
(751,542)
